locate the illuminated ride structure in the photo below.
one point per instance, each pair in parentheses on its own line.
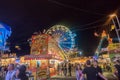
(56,40)
(112,46)
(63,37)
(49,49)
(104,36)
(5,32)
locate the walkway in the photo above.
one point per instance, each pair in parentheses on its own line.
(108,75)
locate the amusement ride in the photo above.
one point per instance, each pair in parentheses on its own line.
(63,37)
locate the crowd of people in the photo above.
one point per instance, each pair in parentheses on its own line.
(90,70)
(13,72)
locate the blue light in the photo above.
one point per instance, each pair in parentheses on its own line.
(67,41)
(5,32)
(63,36)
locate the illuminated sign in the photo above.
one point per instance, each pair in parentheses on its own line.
(39,44)
(5,32)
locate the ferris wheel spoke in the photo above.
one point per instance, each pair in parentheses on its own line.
(65,39)
(66,43)
(65,46)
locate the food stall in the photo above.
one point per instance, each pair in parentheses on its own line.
(7,59)
(44,58)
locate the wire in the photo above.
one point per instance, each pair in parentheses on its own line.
(81,29)
(92,23)
(68,6)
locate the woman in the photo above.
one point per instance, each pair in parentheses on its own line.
(21,73)
(78,72)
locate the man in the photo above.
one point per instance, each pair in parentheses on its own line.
(11,72)
(69,68)
(95,65)
(91,72)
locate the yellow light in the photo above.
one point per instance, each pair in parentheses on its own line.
(112,27)
(16,46)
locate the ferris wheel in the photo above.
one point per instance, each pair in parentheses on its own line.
(63,36)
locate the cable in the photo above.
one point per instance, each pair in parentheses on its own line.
(81,29)
(68,6)
(92,23)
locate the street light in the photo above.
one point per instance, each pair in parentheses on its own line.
(112,16)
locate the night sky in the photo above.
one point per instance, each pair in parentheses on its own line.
(83,17)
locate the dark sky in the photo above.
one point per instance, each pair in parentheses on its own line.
(28,16)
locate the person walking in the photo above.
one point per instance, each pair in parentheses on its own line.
(90,72)
(21,73)
(65,69)
(11,72)
(78,72)
(69,69)
(98,68)
(61,69)
(58,69)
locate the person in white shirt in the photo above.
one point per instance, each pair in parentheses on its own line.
(11,72)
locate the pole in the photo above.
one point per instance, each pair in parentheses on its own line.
(116,30)
(117,21)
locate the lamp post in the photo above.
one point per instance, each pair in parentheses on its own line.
(117,30)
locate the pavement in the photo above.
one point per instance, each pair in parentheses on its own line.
(108,75)
(62,77)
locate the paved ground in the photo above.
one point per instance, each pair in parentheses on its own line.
(108,75)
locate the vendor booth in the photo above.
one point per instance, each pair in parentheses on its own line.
(44,58)
(7,59)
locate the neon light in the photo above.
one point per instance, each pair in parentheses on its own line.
(5,32)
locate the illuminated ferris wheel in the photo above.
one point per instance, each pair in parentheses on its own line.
(63,36)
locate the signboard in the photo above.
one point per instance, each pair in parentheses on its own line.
(38,57)
(39,44)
